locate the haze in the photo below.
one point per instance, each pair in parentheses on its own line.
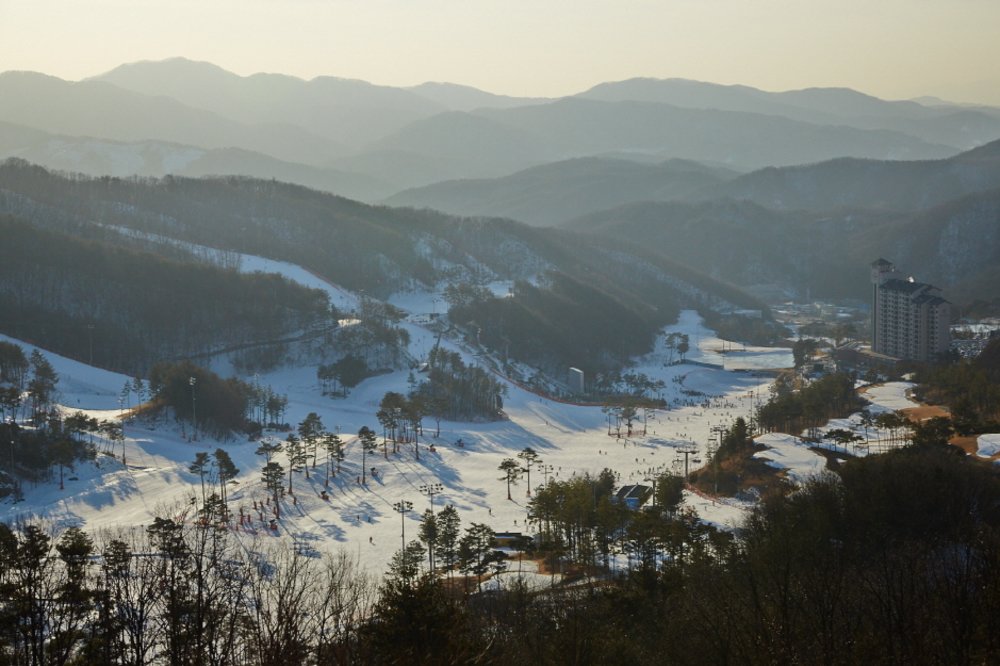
(892,48)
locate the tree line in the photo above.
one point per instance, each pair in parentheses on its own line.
(456,391)
(810,406)
(560,323)
(897,560)
(971,389)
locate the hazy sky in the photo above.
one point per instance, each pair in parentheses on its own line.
(891,48)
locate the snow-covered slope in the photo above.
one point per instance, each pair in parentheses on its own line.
(572,439)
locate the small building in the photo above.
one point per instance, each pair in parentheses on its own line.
(634,496)
(855,357)
(511,539)
(575,382)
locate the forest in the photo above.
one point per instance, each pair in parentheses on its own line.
(970,388)
(458,392)
(124,309)
(894,561)
(561,323)
(368,249)
(810,406)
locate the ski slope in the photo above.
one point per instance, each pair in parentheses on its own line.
(571,440)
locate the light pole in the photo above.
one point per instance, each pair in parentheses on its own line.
(431,489)
(194,415)
(402,506)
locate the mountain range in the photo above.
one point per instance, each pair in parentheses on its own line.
(824,254)
(381,251)
(798,189)
(400,138)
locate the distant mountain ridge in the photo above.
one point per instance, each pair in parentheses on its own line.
(556,193)
(497,142)
(854,183)
(100,157)
(825,254)
(559,191)
(348,111)
(962,127)
(99,109)
(416,136)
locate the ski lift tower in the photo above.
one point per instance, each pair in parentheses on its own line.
(687,450)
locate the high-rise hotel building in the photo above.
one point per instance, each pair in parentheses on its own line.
(910,320)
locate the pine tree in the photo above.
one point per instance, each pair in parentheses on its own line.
(267,448)
(310,430)
(273,478)
(200,467)
(511,471)
(43,382)
(477,551)
(298,457)
(448,528)
(369,442)
(334,450)
(428,534)
(227,471)
(530,457)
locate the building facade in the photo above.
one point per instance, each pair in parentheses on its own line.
(910,320)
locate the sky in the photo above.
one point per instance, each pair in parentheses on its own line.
(890,48)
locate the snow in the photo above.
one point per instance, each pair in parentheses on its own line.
(891,396)
(573,439)
(519,569)
(708,348)
(80,385)
(724,513)
(989,445)
(792,454)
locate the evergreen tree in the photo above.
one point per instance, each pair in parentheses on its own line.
(477,551)
(226,471)
(428,535)
(530,457)
(334,451)
(369,443)
(298,458)
(273,478)
(310,429)
(200,467)
(448,528)
(511,472)
(267,448)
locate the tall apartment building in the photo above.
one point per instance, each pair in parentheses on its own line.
(910,320)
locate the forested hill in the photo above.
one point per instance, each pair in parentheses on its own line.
(126,308)
(860,183)
(376,249)
(955,246)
